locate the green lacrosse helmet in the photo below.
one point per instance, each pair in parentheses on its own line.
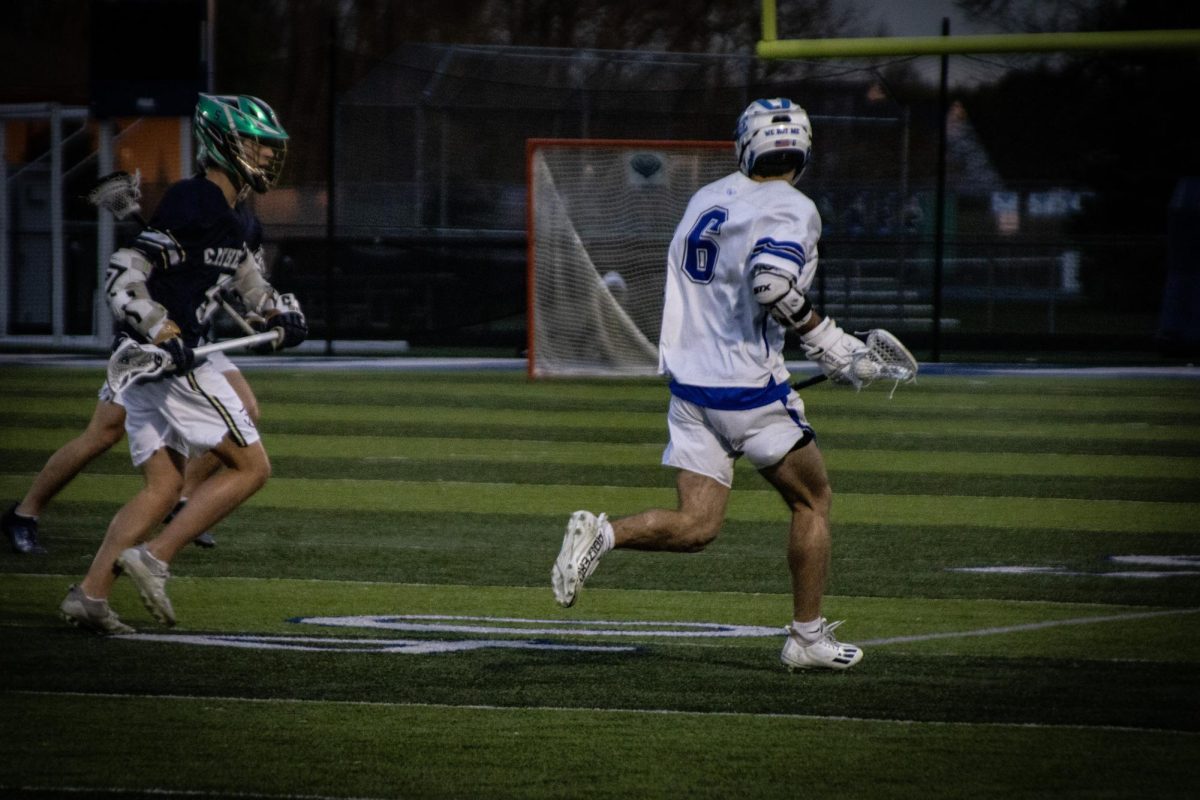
(225,125)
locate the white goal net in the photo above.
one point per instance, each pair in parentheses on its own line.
(601,216)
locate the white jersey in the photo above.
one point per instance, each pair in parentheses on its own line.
(719,346)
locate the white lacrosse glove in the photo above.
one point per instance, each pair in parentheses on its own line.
(836,351)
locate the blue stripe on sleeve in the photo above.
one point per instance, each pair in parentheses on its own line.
(791,251)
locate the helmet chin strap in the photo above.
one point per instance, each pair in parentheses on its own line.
(240,182)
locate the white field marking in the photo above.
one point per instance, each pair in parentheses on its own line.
(666,712)
(435,646)
(1029,626)
(1069,573)
(442,623)
(1158,561)
(703,629)
(321,644)
(161,792)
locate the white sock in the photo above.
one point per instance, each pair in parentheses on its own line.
(607,537)
(809,631)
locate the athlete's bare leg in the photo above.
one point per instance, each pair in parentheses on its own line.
(802,482)
(244,471)
(688,528)
(104,430)
(163,474)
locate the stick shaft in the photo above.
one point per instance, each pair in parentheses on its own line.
(236,317)
(813,381)
(244,341)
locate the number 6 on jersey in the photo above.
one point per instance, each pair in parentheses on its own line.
(700,255)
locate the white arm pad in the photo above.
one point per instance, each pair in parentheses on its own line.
(777,290)
(128,296)
(834,350)
(258,296)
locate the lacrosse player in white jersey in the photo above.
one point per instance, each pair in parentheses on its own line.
(739,267)
(164,290)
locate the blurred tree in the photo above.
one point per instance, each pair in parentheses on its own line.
(1081,15)
(1099,122)
(279,49)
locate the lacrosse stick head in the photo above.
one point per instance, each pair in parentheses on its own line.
(133,363)
(885,358)
(118,193)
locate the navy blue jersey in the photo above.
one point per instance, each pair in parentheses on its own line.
(195,240)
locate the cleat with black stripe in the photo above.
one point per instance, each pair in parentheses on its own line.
(823,652)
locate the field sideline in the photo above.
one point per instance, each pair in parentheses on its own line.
(1019,556)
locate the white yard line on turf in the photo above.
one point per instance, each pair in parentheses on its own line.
(1028,626)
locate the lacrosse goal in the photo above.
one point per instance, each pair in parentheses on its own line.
(600,217)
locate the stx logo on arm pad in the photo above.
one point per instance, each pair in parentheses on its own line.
(776,289)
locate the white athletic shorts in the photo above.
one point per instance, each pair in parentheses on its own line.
(709,440)
(217,359)
(189,414)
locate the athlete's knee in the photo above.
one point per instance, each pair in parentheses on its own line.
(698,533)
(165,483)
(103,434)
(815,496)
(257,468)
(249,463)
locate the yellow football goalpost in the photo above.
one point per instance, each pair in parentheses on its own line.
(772,47)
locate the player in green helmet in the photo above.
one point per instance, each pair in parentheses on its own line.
(232,132)
(202,243)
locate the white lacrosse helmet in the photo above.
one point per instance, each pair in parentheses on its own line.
(775,131)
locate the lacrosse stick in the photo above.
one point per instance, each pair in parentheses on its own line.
(134,363)
(885,358)
(120,194)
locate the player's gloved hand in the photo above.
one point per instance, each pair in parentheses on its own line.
(835,351)
(168,337)
(294,326)
(180,353)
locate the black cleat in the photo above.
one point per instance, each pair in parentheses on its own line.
(22,533)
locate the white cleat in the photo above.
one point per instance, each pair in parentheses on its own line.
(91,614)
(582,546)
(825,652)
(149,575)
